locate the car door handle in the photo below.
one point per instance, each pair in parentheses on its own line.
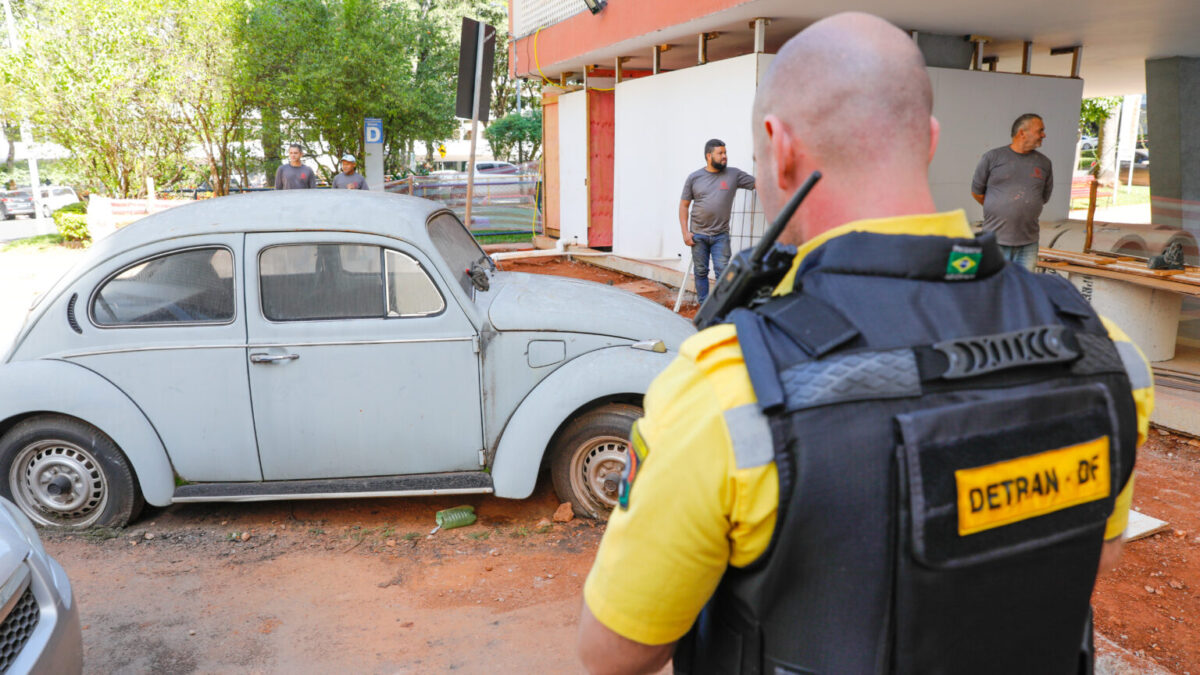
(272,358)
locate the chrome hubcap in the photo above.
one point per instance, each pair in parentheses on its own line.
(597,470)
(56,482)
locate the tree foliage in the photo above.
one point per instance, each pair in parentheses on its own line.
(516,136)
(175,91)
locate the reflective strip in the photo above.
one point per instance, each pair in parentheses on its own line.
(1135,365)
(750,434)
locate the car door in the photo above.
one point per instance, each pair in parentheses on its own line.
(361,364)
(165,323)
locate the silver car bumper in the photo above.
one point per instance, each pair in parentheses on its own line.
(40,631)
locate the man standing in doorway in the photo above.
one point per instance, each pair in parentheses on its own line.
(709,192)
(348,178)
(294,175)
(1012,183)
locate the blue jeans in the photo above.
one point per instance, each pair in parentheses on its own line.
(716,245)
(1025,256)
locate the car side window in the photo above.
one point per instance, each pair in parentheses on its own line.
(306,282)
(185,287)
(410,290)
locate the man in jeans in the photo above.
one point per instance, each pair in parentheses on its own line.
(709,193)
(1012,183)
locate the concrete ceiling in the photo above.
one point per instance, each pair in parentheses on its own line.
(1117,37)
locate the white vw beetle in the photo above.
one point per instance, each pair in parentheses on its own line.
(316,344)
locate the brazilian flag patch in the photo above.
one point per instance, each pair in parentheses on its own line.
(636,455)
(963,262)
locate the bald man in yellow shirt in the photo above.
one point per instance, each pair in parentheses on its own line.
(808,547)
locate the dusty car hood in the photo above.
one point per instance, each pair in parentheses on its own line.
(522,301)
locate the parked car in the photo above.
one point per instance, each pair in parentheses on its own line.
(16,203)
(20,202)
(496,167)
(39,619)
(313,344)
(1087,142)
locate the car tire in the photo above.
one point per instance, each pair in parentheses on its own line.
(46,454)
(588,457)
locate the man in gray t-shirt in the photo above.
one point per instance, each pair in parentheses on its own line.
(709,193)
(1012,183)
(348,178)
(294,175)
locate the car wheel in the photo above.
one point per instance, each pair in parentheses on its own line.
(66,473)
(589,456)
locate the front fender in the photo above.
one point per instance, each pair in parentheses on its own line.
(603,373)
(51,386)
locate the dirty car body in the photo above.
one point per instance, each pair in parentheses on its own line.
(313,344)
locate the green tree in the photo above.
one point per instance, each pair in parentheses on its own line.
(516,136)
(92,78)
(1094,112)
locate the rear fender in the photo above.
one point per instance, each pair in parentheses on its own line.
(604,373)
(51,386)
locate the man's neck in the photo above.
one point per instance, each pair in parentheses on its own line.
(711,169)
(1020,150)
(296,163)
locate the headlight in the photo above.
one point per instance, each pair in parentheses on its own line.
(25,525)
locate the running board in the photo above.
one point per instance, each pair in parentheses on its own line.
(414,485)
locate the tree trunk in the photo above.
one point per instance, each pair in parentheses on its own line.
(272,142)
(10,161)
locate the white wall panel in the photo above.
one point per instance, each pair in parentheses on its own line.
(662,123)
(573,167)
(976,110)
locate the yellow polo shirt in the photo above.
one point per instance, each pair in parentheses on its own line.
(692,512)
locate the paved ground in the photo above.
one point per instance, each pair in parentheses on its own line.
(21,227)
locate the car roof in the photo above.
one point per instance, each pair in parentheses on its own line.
(383,213)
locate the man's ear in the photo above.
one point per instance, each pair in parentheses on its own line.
(784,153)
(935,133)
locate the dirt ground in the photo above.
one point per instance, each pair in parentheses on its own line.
(361,586)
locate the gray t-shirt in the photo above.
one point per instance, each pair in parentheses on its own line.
(342,181)
(1014,186)
(711,195)
(289,177)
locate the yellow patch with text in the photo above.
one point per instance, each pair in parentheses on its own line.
(1017,489)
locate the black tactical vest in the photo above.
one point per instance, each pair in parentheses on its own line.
(950,434)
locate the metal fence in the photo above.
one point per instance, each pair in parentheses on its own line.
(501,204)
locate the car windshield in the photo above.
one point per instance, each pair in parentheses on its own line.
(457,246)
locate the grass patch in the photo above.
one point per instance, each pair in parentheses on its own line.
(100,533)
(520,532)
(41,242)
(480,536)
(505,238)
(316,530)
(1126,196)
(412,535)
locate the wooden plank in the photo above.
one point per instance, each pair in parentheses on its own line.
(1191,288)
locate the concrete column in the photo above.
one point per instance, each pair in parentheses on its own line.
(1173,124)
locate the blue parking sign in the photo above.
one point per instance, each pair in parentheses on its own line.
(373,130)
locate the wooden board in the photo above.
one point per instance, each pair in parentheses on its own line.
(1185,281)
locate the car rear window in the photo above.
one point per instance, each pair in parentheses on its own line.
(308,282)
(185,287)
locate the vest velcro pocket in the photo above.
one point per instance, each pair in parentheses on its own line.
(1008,472)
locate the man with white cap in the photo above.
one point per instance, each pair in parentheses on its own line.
(348,178)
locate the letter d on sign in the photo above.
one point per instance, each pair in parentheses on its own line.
(373,147)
